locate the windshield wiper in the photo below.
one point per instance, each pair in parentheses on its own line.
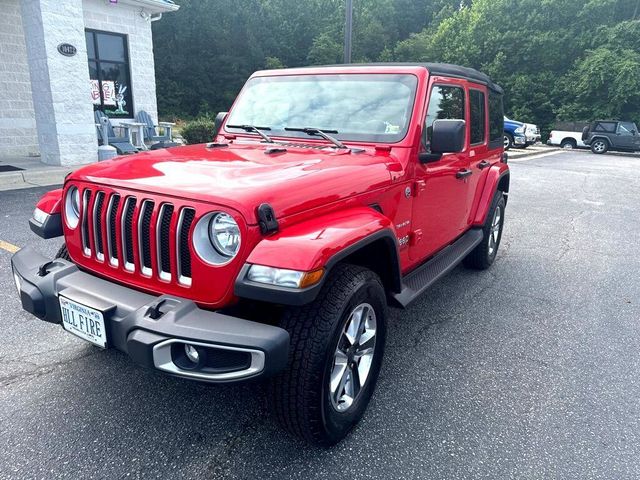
(253,128)
(313,132)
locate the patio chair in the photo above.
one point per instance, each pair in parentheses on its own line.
(121,143)
(151,131)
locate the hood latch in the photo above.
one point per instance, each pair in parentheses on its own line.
(267,219)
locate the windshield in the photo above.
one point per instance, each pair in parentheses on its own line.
(367,108)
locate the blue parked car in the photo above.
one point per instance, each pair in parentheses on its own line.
(514,134)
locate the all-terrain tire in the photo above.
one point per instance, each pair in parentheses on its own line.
(483,256)
(300,397)
(63,253)
(599,146)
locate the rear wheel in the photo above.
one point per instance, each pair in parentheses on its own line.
(337,344)
(568,143)
(483,256)
(599,146)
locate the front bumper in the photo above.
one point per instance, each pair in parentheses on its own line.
(519,139)
(148,328)
(533,138)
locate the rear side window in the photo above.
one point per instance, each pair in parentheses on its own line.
(476,102)
(609,127)
(496,119)
(445,103)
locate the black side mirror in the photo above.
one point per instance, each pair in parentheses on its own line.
(447,137)
(217,123)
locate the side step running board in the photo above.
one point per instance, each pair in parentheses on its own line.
(415,283)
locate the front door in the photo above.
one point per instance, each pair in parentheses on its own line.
(627,137)
(441,192)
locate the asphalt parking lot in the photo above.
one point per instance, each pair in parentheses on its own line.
(528,370)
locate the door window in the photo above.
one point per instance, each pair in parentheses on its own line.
(626,128)
(476,102)
(445,103)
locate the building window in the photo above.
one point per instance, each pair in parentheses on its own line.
(109,73)
(476,101)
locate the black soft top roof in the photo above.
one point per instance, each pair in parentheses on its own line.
(443,69)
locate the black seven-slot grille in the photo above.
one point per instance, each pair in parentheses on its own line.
(135,224)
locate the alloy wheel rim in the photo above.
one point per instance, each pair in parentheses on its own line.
(494,232)
(505,141)
(598,146)
(353,357)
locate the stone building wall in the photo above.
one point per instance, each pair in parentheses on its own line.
(17,118)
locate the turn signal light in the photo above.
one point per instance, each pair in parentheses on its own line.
(311,278)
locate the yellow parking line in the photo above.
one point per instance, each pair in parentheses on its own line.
(8,247)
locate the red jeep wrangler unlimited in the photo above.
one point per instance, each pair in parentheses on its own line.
(327,195)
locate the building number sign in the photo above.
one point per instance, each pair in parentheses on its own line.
(67,49)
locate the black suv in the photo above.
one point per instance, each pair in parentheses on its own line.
(605,135)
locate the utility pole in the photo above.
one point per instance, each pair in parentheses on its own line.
(348,29)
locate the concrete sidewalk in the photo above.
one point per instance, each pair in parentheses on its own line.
(33,173)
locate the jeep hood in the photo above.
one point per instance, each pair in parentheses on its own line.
(242,176)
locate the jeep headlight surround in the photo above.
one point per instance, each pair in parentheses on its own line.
(217,238)
(72,207)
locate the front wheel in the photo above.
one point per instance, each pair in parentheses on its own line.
(337,344)
(599,146)
(507,141)
(483,256)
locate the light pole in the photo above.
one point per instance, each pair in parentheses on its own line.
(348,28)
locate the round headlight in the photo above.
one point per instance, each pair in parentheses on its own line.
(72,207)
(224,234)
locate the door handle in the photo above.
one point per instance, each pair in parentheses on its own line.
(463,173)
(483,164)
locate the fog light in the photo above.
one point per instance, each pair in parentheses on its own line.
(192,353)
(18,281)
(39,216)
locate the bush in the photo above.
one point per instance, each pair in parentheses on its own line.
(198,131)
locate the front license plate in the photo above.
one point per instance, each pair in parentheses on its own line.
(85,322)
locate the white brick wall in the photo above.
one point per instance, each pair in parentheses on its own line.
(59,84)
(126,19)
(17,118)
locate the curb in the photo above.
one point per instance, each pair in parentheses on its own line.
(33,178)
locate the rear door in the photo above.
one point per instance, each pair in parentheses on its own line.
(440,204)
(486,124)
(479,157)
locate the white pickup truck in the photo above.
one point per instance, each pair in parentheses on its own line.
(566,139)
